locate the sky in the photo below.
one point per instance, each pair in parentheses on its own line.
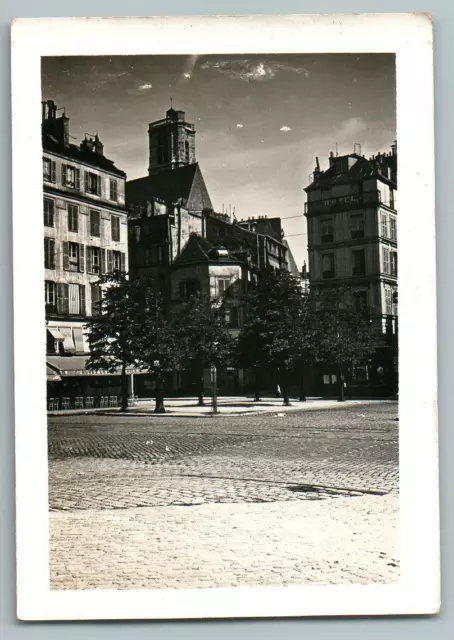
(260,120)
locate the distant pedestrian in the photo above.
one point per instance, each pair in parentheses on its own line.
(278,391)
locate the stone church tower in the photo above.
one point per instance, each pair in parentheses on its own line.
(171,143)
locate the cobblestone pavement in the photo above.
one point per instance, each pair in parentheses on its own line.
(307,497)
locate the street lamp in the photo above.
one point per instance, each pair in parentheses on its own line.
(214,384)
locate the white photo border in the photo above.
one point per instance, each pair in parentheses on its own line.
(410,37)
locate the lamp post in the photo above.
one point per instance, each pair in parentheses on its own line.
(214,384)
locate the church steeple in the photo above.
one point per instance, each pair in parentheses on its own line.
(171,142)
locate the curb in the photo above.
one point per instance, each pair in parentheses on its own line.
(225,413)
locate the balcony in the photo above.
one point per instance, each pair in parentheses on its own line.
(343,203)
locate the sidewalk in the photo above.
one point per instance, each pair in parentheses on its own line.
(227,406)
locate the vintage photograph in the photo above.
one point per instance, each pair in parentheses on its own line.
(225,383)
(221,300)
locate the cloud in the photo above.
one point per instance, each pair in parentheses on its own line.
(140,88)
(285,128)
(239,126)
(250,70)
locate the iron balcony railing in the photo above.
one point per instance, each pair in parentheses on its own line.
(350,201)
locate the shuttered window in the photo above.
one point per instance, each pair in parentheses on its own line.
(50,295)
(92,183)
(49,253)
(49,170)
(73,218)
(113,190)
(95,291)
(93,260)
(70,176)
(95,223)
(386,263)
(115,228)
(63,298)
(49,212)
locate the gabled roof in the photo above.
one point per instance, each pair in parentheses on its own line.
(73,152)
(184,185)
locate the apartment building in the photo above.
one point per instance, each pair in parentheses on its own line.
(85,236)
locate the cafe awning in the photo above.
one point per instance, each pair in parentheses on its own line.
(67,366)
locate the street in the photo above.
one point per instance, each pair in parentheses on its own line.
(304,497)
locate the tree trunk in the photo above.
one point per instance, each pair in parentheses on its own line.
(256,385)
(124,388)
(201,402)
(159,405)
(284,389)
(341,385)
(302,391)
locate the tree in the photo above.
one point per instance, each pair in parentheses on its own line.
(278,330)
(203,336)
(156,342)
(346,335)
(110,329)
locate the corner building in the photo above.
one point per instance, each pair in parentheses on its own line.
(352,241)
(85,236)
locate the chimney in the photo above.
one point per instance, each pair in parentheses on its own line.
(331,159)
(98,146)
(57,127)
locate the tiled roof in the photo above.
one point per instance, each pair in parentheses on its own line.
(77,154)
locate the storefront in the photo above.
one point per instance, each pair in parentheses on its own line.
(70,385)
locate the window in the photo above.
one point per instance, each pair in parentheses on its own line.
(73,218)
(49,253)
(115,228)
(116,260)
(92,183)
(391,198)
(95,223)
(360,373)
(359,262)
(70,176)
(394,263)
(186,151)
(388,300)
(222,286)
(357,225)
(160,254)
(328,265)
(326,231)
(113,191)
(50,295)
(393,228)
(96,298)
(384,225)
(73,256)
(93,260)
(386,263)
(49,212)
(49,170)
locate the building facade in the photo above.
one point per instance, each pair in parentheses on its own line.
(351,213)
(177,237)
(85,236)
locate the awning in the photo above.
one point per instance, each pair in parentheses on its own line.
(52,376)
(67,366)
(55,333)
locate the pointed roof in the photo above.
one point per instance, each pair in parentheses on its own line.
(184,185)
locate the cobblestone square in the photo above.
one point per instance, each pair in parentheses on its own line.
(308,497)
